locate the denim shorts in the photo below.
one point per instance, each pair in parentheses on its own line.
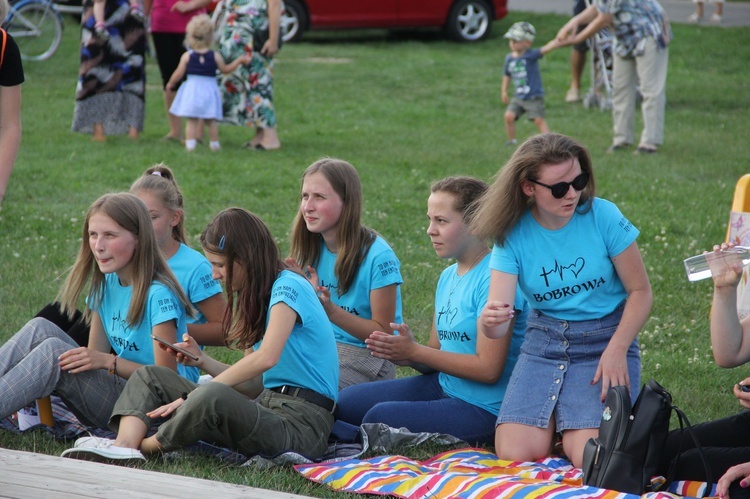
(553,374)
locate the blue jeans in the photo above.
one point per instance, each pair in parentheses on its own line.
(419,404)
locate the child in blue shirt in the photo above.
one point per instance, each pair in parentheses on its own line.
(522,68)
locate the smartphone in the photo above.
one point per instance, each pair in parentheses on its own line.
(745,388)
(175,348)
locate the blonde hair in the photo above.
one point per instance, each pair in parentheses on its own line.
(500,208)
(130,213)
(199,34)
(242,237)
(160,181)
(352,238)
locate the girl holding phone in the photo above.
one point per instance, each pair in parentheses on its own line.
(277,398)
(132,294)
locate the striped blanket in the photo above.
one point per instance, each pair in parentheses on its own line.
(470,473)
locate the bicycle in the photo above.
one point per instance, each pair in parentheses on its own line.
(36,26)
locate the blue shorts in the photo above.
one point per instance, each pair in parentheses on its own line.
(553,374)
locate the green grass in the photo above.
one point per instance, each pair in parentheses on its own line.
(405,109)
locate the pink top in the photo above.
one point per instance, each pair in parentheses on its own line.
(165,21)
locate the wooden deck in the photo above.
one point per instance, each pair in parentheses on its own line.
(25,474)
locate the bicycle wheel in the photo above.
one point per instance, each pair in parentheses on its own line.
(37,28)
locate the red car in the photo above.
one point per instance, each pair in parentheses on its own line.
(463,20)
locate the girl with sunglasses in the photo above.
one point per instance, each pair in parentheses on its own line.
(576,261)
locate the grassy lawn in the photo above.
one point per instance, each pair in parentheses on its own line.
(405,109)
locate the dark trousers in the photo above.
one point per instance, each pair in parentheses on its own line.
(76,327)
(725,442)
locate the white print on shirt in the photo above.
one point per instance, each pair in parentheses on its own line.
(287,291)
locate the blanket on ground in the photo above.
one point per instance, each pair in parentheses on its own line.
(346,442)
(470,473)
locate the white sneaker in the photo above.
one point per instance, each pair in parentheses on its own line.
(92,441)
(694,18)
(716,19)
(103,452)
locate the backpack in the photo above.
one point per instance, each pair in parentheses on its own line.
(631,439)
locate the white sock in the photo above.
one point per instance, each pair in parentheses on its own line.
(214,145)
(190,144)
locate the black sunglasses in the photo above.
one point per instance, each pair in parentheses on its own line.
(560,189)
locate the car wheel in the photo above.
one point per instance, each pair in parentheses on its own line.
(469,20)
(293,20)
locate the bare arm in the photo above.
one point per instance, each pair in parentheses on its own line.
(504,91)
(484,366)
(189,6)
(251,367)
(99,11)
(210,333)
(613,369)
(598,23)
(228,68)
(97,355)
(730,337)
(179,73)
(271,47)
(549,46)
(383,305)
(10,132)
(569,29)
(496,318)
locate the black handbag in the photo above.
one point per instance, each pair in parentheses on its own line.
(631,440)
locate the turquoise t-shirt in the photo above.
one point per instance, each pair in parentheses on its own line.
(567,273)
(379,269)
(309,359)
(193,272)
(135,343)
(459,301)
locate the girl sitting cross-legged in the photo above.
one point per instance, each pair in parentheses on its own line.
(279,397)
(132,295)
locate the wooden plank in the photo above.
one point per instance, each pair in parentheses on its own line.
(26,474)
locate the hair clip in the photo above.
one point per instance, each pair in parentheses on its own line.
(157,173)
(221,243)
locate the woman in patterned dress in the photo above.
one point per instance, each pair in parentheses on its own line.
(253,27)
(110,97)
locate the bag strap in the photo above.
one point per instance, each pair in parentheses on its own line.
(685,425)
(2,47)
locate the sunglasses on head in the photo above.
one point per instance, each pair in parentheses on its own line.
(560,189)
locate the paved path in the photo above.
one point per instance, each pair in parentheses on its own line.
(735,13)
